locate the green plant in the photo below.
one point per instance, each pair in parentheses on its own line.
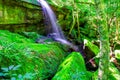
(9,73)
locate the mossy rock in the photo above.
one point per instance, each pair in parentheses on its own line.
(91,50)
(117,54)
(39,59)
(72,68)
(30,35)
(92,47)
(6,36)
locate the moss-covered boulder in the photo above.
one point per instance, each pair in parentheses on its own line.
(91,47)
(6,36)
(30,35)
(72,68)
(41,60)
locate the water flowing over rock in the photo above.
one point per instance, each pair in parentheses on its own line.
(50,20)
(53,29)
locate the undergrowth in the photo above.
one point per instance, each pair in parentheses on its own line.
(22,58)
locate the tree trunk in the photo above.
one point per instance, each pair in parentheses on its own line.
(104,40)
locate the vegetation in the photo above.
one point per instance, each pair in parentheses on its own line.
(22,58)
(68,70)
(92,25)
(104,41)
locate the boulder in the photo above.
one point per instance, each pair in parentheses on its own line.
(72,68)
(91,47)
(17,16)
(42,60)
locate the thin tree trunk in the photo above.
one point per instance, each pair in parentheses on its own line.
(104,40)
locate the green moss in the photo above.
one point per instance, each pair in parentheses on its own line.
(17,12)
(40,59)
(6,36)
(117,54)
(91,46)
(73,68)
(30,35)
(114,74)
(95,75)
(17,16)
(31,1)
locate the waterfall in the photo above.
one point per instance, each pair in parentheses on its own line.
(50,20)
(53,28)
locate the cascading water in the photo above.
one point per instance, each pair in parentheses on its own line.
(50,20)
(53,28)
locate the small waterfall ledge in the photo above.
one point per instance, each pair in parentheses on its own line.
(52,27)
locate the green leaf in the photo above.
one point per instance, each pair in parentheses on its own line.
(17,67)
(29,76)
(20,76)
(5,69)
(1,74)
(11,67)
(13,78)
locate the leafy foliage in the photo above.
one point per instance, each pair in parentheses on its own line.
(9,73)
(80,17)
(113,75)
(81,20)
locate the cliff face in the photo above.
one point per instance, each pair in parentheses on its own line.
(16,15)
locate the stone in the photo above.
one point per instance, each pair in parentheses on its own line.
(72,68)
(42,60)
(18,16)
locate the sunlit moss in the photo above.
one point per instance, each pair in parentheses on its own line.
(6,36)
(91,46)
(39,59)
(117,54)
(113,75)
(72,68)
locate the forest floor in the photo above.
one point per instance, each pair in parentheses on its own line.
(22,58)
